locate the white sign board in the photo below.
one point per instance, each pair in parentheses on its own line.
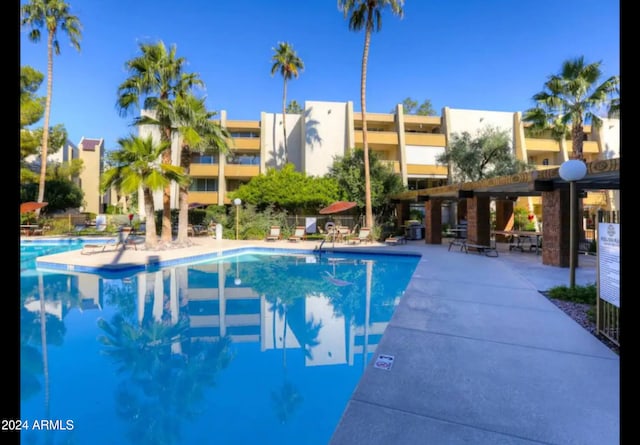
(609,262)
(310,225)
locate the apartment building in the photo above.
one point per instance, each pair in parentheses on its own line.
(91,151)
(409,144)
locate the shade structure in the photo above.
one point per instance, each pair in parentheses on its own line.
(31,206)
(197,205)
(337,207)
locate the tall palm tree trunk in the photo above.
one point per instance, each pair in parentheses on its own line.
(284,120)
(183,199)
(166,235)
(151,237)
(577,140)
(365,144)
(47,114)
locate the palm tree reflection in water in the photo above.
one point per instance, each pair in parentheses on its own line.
(160,387)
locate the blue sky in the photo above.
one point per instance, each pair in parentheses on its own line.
(487,55)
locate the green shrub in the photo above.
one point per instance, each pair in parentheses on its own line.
(578,294)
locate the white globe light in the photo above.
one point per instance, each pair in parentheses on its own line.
(237,201)
(237,281)
(573,170)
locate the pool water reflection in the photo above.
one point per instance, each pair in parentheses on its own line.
(256,348)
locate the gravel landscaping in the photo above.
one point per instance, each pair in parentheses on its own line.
(579,313)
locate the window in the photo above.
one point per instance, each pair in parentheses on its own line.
(545,161)
(244,134)
(204,158)
(243,159)
(203,185)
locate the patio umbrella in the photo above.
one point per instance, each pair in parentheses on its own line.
(196,205)
(337,207)
(31,206)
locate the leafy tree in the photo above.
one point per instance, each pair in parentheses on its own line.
(156,78)
(487,155)
(571,98)
(65,170)
(57,139)
(410,106)
(135,164)
(286,61)
(614,105)
(348,172)
(60,194)
(288,189)
(294,108)
(52,15)
(367,15)
(31,109)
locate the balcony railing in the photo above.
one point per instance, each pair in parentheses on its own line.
(378,137)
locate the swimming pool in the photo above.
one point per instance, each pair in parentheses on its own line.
(257,348)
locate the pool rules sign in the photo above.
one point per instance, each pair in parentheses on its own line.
(609,262)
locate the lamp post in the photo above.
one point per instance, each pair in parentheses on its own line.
(571,171)
(237,281)
(237,202)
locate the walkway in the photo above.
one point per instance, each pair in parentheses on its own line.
(479,355)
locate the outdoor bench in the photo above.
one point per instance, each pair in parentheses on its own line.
(487,250)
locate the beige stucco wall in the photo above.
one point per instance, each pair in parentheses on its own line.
(273,139)
(90,177)
(609,135)
(326,131)
(472,121)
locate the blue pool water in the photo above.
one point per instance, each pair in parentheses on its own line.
(256,348)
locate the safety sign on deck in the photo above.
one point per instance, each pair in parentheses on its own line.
(384,362)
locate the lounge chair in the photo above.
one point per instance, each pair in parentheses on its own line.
(396,239)
(299,234)
(274,234)
(364,235)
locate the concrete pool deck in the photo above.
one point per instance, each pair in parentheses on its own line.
(479,355)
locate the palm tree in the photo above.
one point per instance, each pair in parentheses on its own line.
(53,15)
(136,165)
(571,98)
(155,76)
(367,14)
(289,64)
(198,132)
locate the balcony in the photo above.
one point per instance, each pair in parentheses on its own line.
(377,138)
(241,171)
(373,118)
(207,198)
(417,169)
(239,125)
(204,170)
(425,139)
(544,145)
(590,147)
(246,143)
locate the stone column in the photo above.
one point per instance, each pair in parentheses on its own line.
(555,230)
(478,220)
(433,221)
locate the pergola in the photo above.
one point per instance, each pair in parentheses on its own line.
(554,191)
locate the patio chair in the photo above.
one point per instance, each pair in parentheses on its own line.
(364,235)
(299,234)
(274,234)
